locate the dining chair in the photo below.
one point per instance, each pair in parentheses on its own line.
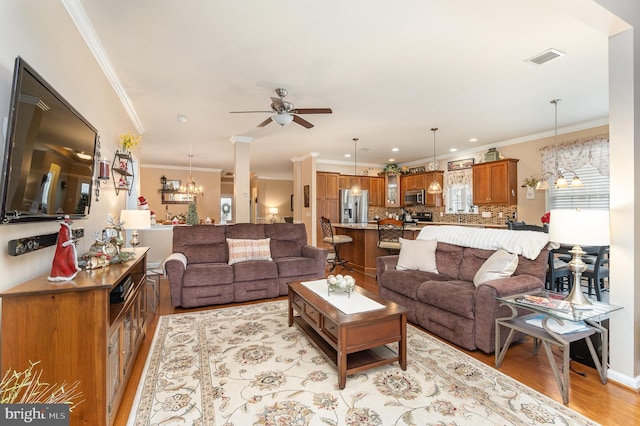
(336,241)
(521,226)
(389,233)
(559,277)
(597,272)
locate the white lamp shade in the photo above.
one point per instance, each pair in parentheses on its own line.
(579,227)
(135,219)
(273,210)
(282,119)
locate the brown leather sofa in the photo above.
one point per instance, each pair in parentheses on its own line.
(199,272)
(448,303)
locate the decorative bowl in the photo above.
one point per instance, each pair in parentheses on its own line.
(339,282)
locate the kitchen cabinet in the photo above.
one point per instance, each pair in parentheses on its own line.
(412,182)
(392,190)
(422,181)
(327,203)
(376,191)
(496,182)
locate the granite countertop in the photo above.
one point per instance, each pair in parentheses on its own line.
(417,226)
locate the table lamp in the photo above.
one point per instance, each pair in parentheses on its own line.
(273,211)
(135,220)
(579,228)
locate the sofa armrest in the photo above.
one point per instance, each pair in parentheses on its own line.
(385,263)
(319,255)
(175,266)
(487,308)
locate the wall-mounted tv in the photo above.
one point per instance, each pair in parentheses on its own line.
(48,156)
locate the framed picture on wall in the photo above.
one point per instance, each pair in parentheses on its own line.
(306,195)
(460,164)
(172,185)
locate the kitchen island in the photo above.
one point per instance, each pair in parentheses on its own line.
(363,251)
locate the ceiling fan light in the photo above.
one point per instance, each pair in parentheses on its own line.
(282,119)
(434,188)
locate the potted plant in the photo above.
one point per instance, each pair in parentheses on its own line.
(128,141)
(392,169)
(530,184)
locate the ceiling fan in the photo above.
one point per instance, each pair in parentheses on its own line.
(285,112)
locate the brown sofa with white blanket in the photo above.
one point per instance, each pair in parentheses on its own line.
(443,298)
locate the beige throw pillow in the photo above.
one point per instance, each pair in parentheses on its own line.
(500,264)
(417,255)
(243,250)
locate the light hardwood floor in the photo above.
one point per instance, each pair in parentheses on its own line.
(610,404)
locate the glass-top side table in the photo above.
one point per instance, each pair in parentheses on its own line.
(550,307)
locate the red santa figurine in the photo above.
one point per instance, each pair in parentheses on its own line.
(65,261)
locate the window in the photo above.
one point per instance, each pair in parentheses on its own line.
(592,195)
(458,194)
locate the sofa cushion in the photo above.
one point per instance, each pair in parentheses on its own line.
(207,274)
(201,243)
(454,296)
(295,266)
(417,255)
(406,282)
(448,259)
(253,231)
(287,239)
(254,270)
(500,264)
(243,250)
(472,260)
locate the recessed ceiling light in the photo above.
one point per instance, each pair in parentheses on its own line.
(395,149)
(473,140)
(347,155)
(392,160)
(453,149)
(182,118)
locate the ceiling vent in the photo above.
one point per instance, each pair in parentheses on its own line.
(545,56)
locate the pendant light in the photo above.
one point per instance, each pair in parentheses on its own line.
(355,190)
(191,189)
(434,187)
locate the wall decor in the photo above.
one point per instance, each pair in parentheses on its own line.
(306,195)
(172,185)
(419,169)
(460,164)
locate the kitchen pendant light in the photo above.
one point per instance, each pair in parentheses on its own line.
(191,189)
(355,190)
(434,187)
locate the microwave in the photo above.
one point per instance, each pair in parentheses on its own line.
(414,197)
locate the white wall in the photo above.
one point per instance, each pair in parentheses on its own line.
(42,33)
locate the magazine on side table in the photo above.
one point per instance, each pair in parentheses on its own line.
(544,302)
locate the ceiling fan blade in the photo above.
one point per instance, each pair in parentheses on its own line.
(312,111)
(248,112)
(265,122)
(277,104)
(302,122)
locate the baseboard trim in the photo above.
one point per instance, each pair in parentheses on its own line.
(632,382)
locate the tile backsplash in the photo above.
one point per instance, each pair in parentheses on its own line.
(487,214)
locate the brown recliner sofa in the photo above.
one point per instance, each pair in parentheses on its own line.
(448,303)
(199,272)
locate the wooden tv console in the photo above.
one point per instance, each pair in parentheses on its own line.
(76,333)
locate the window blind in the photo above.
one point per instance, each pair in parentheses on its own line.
(592,195)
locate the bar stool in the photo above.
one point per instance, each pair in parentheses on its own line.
(336,242)
(389,233)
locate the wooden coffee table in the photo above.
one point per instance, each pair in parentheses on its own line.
(353,342)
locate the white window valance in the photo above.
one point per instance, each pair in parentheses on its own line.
(458,178)
(576,154)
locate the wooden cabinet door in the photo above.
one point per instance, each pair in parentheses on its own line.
(332,186)
(495,182)
(392,190)
(376,191)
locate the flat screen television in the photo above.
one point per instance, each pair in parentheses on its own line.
(48,155)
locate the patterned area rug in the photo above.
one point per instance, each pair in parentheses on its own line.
(245,366)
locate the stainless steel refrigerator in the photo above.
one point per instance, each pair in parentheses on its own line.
(353,209)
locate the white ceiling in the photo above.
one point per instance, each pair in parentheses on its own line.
(389,70)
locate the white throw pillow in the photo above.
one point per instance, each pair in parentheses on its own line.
(417,255)
(500,264)
(243,250)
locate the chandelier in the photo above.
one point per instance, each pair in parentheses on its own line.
(355,190)
(191,189)
(560,180)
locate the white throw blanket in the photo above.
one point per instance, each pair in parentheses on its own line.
(526,243)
